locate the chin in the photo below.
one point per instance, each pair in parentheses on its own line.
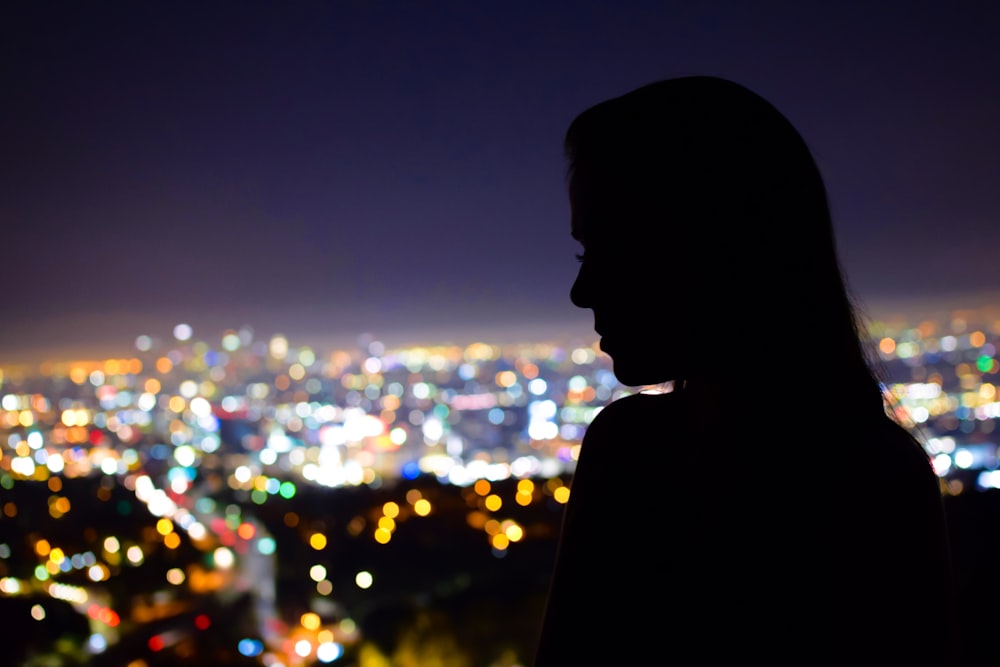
(638,375)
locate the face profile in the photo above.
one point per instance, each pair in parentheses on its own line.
(631,302)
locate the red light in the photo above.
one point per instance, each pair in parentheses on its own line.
(103,614)
(201,621)
(156,643)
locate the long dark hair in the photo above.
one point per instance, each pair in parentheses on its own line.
(736,188)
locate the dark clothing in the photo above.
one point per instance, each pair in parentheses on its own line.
(730,544)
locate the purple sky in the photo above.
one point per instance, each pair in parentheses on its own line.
(332,168)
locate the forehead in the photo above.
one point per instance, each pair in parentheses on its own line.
(592,200)
(605,205)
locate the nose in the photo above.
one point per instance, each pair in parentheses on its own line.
(581,292)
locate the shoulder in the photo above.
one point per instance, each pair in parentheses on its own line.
(894,450)
(637,406)
(635,413)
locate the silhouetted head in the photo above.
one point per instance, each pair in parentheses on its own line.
(708,246)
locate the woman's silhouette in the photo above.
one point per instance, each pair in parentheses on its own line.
(780,516)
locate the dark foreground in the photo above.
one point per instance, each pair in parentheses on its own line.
(443,592)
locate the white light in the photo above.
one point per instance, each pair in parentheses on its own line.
(196,531)
(200,406)
(55,463)
(538,386)
(109,466)
(963,458)
(10,586)
(329,651)
(433,429)
(182,332)
(223,558)
(942,464)
(134,555)
(185,456)
(146,401)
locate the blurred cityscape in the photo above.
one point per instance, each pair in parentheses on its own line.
(237,501)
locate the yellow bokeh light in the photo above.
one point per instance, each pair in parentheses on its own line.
(500,541)
(422,507)
(561,494)
(390,509)
(382,536)
(513,531)
(493,502)
(317,541)
(506,378)
(387,523)
(310,620)
(164,526)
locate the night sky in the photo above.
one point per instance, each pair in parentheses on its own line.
(325,169)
